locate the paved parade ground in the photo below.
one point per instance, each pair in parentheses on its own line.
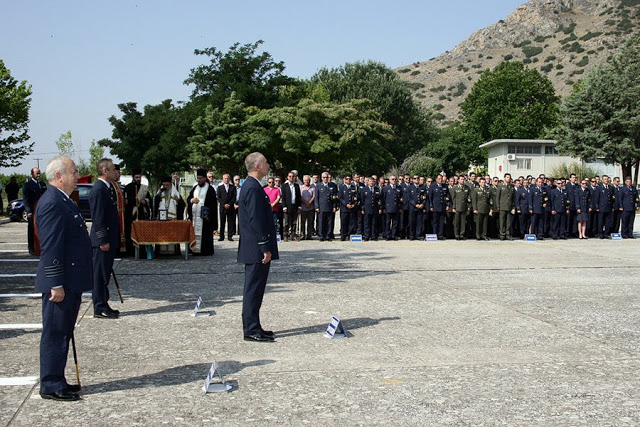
(440,333)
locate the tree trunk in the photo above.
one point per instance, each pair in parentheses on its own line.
(635,178)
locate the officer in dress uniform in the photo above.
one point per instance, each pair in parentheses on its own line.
(460,204)
(481,204)
(582,202)
(64,272)
(538,200)
(349,203)
(336,207)
(105,237)
(628,203)
(416,208)
(559,210)
(325,206)
(404,216)
(616,215)
(572,222)
(504,204)
(370,209)
(391,205)
(522,208)
(438,205)
(603,200)
(593,216)
(258,246)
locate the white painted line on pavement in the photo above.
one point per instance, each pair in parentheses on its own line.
(21,326)
(10,250)
(12,243)
(19,275)
(84,294)
(20,260)
(18,381)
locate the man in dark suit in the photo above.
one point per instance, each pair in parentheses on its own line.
(325,207)
(291,203)
(257,247)
(628,203)
(32,190)
(439,203)
(64,272)
(538,200)
(226,194)
(105,237)
(603,200)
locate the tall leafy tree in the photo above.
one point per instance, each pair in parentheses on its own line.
(509,101)
(65,144)
(256,78)
(15,102)
(388,96)
(153,140)
(601,117)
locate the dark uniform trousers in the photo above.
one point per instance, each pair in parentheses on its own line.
(404,223)
(482,220)
(628,218)
(416,223)
(592,226)
(348,222)
(392,225)
(559,228)
(370,226)
(102,265)
(504,219)
(604,222)
(459,223)
(537,224)
(228,217)
(615,221)
(255,282)
(525,222)
(325,224)
(58,321)
(437,223)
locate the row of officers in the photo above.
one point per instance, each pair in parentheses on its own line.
(460,208)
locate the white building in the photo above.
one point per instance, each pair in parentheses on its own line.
(533,157)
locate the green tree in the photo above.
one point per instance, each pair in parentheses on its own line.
(509,101)
(96,152)
(454,149)
(601,117)
(388,96)
(255,77)
(65,145)
(420,163)
(15,101)
(153,140)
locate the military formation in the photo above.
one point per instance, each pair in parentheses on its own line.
(471,207)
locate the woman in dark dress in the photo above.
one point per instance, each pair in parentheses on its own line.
(583,206)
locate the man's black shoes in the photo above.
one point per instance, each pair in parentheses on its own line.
(268,334)
(74,388)
(259,338)
(64,395)
(105,315)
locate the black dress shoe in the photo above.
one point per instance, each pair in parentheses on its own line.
(62,395)
(113,311)
(230,239)
(221,239)
(268,333)
(74,388)
(259,338)
(105,315)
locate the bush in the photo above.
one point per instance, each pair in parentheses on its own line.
(559,67)
(530,51)
(442,97)
(437,89)
(546,68)
(421,96)
(564,171)
(442,70)
(550,58)
(573,47)
(415,73)
(571,38)
(460,89)
(414,86)
(421,164)
(522,44)
(584,61)
(404,70)
(438,107)
(508,57)
(590,35)
(569,29)
(526,61)
(476,66)
(540,39)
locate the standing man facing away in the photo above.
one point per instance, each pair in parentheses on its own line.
(257,247)
(32,190)
(64,272)
(105,237)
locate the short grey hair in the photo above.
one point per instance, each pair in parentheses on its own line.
(252,160)
(102,165)
(57,164)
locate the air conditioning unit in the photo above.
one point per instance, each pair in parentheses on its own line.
(511,156)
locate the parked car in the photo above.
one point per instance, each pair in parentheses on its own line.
(17,213)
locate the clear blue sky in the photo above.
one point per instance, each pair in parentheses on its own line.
(84,57)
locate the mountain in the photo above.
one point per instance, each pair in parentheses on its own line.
(563,39)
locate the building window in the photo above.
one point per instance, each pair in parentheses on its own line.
(524,164)
(550,150)
(524,149)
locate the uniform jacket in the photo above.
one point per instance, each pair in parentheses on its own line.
(405,195)
(370,200)
(438,195)
(324,198)
(349,195)
(582,199)
(105,224)
(571,191)
(522,199)
(256,224)
(460,198)
(616,197)
(481,200)
(66,258)
(559,200)
(392,198)
(603,197)
(537,198)
(505,198)
(628,198)
(31,193)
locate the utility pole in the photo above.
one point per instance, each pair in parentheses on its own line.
(37,159)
